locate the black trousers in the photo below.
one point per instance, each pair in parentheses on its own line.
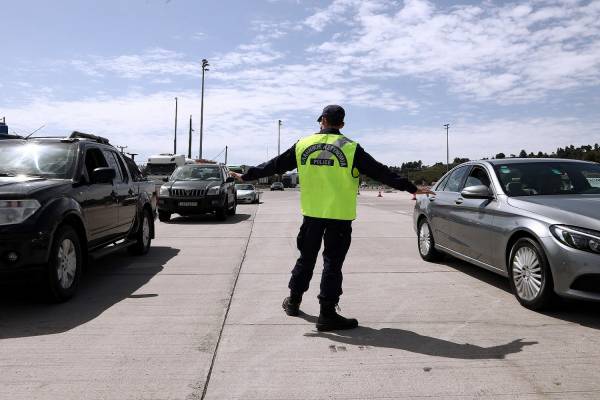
(337,236)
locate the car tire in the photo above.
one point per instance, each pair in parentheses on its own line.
(64,268)
(164,216)
(231,211)
(426,243)
(256,200)
(143,236)
(530,275)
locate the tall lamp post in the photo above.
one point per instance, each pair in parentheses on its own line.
(447,126)
(279,137)
(204,69)
(175,137)
(190,139)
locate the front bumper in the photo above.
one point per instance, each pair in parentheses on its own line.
(247,198)
(31,250)
(203,205)
(570,268)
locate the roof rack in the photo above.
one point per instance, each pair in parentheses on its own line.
(81,135)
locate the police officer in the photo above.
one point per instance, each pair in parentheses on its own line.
(328,166)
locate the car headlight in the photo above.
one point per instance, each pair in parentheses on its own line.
(213,190)
(17,211)
(578,238)
(164,191)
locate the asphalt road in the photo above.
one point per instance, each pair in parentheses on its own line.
(200,317)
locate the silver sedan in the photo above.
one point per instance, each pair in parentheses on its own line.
(535,221)
(247,193)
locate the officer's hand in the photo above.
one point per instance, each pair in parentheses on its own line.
(425,191)
(236,176)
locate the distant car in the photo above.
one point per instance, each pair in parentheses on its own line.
(198,189)
(277,186)
(535,221)
(247,193)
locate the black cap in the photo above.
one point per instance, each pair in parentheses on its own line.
(335,114)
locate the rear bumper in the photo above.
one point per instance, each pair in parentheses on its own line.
(203,205)
(571,269)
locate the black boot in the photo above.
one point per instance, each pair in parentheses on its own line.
(330,320)
(291,305)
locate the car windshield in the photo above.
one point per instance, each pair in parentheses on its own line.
(196,173)
(244,187)
(549,178)
(47,160)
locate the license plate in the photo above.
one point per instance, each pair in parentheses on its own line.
(188,203)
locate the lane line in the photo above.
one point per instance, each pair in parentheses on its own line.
(237,276)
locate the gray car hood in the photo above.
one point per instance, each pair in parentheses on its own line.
(577,210)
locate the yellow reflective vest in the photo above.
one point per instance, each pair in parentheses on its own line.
(328,182)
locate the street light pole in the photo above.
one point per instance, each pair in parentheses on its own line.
(204,69)
(279,138)
(175,137)
(447,126)
(190,139)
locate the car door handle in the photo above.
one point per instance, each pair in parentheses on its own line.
(459,200)
(431,198)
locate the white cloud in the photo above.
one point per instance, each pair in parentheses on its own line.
(480,139)
(245,122)
(154,62)
(505,53)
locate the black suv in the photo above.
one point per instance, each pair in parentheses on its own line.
(198,189)
(63,200)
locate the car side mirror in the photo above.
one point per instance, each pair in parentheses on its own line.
(477,192)
(103,175)
(165,179)
(229,179)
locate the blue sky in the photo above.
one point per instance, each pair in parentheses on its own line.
(505,75)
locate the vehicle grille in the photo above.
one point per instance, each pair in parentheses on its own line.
(187,192)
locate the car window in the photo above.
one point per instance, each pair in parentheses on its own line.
(94,159)
(455,179)
(478,177)
(112,163)
(135,172)
(51,160)
(442,183)
(197,173)
(119,158)
(549,178)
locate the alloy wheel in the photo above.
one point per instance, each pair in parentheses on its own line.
(67,263)
(527,273)
(146,231)
(424,239)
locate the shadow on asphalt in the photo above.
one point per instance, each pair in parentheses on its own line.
(24,311)
(585,313)
(411,341)
(208,219)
